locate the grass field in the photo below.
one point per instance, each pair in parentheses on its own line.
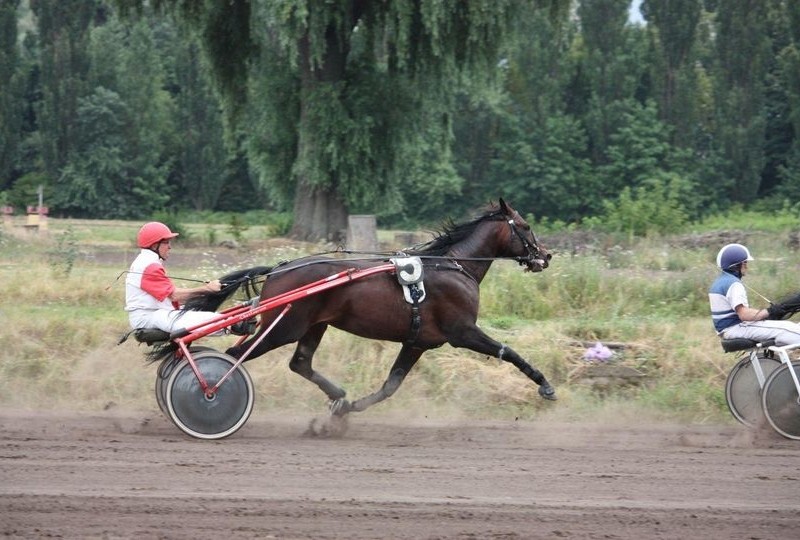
(61,313)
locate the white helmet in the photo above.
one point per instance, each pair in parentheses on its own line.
(731,255)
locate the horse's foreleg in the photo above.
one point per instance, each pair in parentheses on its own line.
(301,362)
(402,365)
(476,340)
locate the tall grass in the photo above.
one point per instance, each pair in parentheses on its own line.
(59,331)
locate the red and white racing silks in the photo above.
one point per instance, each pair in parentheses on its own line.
(147,285)
(147,291)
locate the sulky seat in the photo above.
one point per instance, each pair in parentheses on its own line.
(150,335)
(742,344)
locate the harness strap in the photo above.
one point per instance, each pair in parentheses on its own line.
(453,265)
(416,320)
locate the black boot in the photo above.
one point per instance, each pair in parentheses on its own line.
(243,328)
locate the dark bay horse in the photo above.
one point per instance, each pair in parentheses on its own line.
(374,307)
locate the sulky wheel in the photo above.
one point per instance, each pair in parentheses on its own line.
(743,392)
(163,373)
(204,415)
(781,401)
(162,377)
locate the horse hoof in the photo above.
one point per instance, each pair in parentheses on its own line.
(547,392)
(339,407)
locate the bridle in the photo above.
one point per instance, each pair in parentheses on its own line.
(533,249)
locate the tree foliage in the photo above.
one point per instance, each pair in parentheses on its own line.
(742,50)
(408,109)
(117,166)
(11,98)
(335,66)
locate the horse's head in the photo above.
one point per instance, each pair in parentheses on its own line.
(522,243)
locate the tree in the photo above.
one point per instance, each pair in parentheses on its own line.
(638,150)
(64,27)
(521,140)
(92,182)
(120,151)
(543,169)
(742,50)
(337,65)
(787,18)
(673,26)
(28,174)
(107,176)
(11,104)
(780,91)
(201,156)
(613,65)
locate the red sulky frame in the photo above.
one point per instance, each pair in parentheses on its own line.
(240,313)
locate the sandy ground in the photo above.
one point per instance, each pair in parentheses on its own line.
(128,475)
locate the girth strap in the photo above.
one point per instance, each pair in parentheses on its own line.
(416,320)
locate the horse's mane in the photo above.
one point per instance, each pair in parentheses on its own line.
(452,233)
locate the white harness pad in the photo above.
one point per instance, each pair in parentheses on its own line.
(409,275)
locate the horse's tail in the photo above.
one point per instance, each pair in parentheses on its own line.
(160,351)
(211,300)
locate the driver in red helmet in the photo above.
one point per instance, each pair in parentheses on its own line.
(151,299)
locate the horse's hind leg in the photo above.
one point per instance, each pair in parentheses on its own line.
(475,339)
(405,360)
(301,362)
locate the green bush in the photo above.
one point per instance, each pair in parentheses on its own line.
(655,207)
(237,227)
(62,256)
(280,224)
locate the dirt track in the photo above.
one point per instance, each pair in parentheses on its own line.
(127,476)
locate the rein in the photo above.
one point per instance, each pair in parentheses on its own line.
(532,248)
(142,273)
(378,256)
(383,256)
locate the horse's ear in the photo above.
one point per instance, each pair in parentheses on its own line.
(505,208)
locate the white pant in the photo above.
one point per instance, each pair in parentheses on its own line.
(168,320)
(783,332)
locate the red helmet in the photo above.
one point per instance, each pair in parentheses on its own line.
(152,233)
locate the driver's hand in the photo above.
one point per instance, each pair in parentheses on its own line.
(214,285)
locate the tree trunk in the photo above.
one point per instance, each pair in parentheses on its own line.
(320,213)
